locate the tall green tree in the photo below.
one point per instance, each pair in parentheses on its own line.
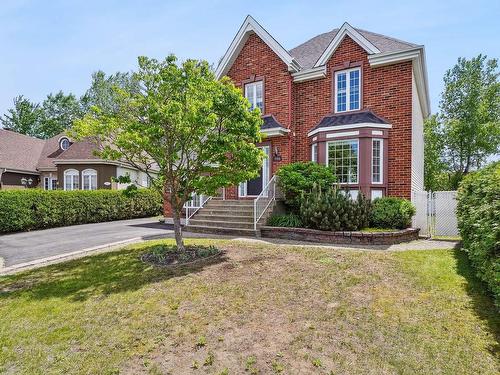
(25,117)
(470,115)
(59,112)
(102,92)
(197,132)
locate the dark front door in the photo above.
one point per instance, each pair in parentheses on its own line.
(254,186)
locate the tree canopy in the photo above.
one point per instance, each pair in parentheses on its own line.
(466,132)
(187,130)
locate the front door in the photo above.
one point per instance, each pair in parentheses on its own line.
(254,186)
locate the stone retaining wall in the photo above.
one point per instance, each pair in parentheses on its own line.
(355,238)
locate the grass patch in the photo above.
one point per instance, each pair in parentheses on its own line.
(256,309)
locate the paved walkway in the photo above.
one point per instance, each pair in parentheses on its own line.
(18,248)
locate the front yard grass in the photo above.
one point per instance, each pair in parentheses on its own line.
(257,309)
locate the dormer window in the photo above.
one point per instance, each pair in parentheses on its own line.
(347,90)
(64,144)
(254,94)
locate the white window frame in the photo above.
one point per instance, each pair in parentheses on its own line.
(253,86)
(61,141)
(314,152)
(381,157)
(89,172)
(72,173)
(48,183)
(372,193)
(348,89)
(357,158)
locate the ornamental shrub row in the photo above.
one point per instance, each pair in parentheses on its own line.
(23,210)
(478,214)
(391,212)
(333,209)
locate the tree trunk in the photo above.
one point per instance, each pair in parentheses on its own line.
(177,229)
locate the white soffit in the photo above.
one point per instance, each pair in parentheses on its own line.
(346,29)
(249,26)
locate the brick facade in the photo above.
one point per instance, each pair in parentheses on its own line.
(387,91)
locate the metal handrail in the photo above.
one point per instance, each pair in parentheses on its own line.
(189,214)
(268,192)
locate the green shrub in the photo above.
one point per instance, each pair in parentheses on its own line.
(288,220)
(391,212)
(22,210)
(478,214)
(333,209)
(298,178)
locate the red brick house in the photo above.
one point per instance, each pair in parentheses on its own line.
(348,98)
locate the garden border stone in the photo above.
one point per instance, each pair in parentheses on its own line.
(341,237)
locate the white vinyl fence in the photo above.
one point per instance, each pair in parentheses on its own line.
(436,213)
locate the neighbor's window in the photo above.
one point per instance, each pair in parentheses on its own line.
(347,90)
(71,179)
(89,177)
(343,158)
(64,143)
(314,152)
(377,152)
(254,94)
(49,183)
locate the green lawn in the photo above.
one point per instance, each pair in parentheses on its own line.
(259,309)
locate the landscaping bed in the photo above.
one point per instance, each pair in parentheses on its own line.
(165,255)
(389,237)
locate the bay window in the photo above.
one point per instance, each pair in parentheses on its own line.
(377,152)
(343,158)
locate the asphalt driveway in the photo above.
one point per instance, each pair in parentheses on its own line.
(25,247)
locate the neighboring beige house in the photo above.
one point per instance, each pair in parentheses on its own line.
(58,163)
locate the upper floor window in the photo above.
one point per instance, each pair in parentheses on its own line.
(64,143)
(347,90)
(343,158)
(254,94)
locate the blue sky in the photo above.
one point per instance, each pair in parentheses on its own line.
(47,46)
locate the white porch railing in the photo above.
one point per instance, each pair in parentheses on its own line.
(194,205)
(264,200)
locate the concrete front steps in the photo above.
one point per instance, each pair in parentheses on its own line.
(231,217)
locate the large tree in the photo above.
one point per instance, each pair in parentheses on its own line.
(197,132)
(102,92)
(433,151)
(470,115)
(59,112)
(25,117)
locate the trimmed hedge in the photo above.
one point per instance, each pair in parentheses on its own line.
(478,214)
(391,213)
(23,210)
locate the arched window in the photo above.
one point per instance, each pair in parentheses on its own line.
(71,179)
(64,143)
(89,177)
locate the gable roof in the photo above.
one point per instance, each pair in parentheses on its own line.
(309,52)
(308,60)
(19,152)
(249,26)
